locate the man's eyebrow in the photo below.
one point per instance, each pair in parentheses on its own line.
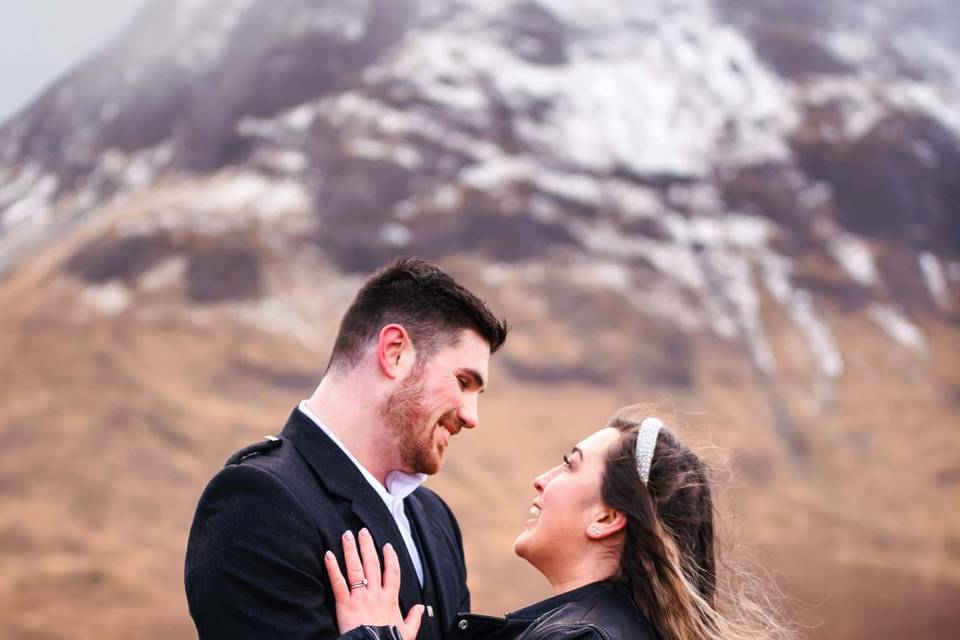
(477,378)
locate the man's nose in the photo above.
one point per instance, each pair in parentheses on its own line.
(469,412)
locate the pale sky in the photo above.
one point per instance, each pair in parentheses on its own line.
(42,39)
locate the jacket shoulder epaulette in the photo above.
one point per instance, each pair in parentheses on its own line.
(269,443)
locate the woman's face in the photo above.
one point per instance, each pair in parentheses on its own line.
(567,502)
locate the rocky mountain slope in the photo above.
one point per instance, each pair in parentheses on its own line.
(749,212)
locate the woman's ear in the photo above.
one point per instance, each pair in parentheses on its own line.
(607,523)
(395,353)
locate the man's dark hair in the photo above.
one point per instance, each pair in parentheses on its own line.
(427,302)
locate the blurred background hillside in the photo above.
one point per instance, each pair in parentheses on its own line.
(747,212)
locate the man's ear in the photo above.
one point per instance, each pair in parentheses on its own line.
(608,522)
(395,352)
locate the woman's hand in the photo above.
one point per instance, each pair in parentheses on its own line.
(367,597)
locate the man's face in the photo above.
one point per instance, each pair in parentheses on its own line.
(436,400)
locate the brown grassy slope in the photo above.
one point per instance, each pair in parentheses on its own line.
(113,424)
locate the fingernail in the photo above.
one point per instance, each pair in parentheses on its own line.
(348,535)
(364,532)
(328,554)
(388,546)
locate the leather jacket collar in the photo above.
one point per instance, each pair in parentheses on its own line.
(599,607)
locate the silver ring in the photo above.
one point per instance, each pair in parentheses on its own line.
(357,585)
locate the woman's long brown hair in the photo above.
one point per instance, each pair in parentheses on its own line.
(668,564)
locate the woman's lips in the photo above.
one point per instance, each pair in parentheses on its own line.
(535,512)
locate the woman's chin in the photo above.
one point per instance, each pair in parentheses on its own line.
(520,543)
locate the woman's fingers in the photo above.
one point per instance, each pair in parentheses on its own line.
(352,560)
(337,583)
(375,602)
(371,563)
(391,570)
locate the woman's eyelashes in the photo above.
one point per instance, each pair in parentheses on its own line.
(566,461)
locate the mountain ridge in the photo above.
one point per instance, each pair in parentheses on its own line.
(752,214)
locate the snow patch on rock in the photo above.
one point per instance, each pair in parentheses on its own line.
(897,326)
(110,298)
(934,277)
(800,306)
(854,256)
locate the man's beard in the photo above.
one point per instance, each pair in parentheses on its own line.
(405,417)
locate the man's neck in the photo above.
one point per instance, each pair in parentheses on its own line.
(356,425)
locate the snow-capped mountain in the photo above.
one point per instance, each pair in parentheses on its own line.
(692,153)
(647,188)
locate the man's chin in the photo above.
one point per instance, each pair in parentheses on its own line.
(435,466)
(431,470)
(429,466)
(436,460)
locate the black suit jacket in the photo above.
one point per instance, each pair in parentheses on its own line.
(254,565)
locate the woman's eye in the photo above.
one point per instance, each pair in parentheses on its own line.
(566,460)
(463,383)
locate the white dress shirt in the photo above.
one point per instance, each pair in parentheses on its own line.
(400,484)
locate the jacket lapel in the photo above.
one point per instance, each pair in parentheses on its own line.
(440,559)
(341,476)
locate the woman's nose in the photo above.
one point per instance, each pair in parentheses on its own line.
(542,480)
(539,483)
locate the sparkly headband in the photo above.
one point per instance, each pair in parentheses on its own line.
(646,442)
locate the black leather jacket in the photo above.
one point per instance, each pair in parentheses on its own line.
(597,611)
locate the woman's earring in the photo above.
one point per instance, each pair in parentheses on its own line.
(594,529)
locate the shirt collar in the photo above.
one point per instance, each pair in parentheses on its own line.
(400,484)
